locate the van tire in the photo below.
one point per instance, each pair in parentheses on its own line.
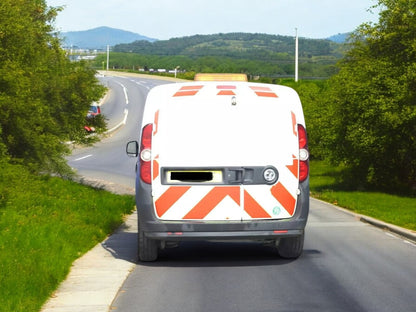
(147,248)
(291,247)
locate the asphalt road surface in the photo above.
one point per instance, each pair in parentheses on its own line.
(107,161)
(347,265)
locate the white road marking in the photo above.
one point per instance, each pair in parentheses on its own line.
(125,92)
(401,238)
(142,84)
(410,243)
(123,122)
(81,158)
(126,113)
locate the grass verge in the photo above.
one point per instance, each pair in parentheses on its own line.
(45,224)
(325,184)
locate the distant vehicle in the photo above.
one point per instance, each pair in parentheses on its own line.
(93,111)
(221,158)
(89,129)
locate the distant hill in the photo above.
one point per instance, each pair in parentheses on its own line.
(99,38)
(339,38)
(252,53)
(235,45)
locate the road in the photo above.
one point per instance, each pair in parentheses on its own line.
(347,265)
(107,161)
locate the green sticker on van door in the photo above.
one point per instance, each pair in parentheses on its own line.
(276,210)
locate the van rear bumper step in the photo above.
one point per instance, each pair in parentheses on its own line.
(243,235)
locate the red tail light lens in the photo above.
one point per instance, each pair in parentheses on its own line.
(303,153)
(146,154)
(303,139)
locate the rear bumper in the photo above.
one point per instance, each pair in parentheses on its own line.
(257,229)
(218,235)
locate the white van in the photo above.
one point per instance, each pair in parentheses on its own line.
(222,159)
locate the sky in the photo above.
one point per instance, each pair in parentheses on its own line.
(165,19)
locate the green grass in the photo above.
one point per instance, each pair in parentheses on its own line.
(325,184)
(45,224)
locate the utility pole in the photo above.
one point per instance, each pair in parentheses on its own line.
(176,70)
(296,56)
(108,55)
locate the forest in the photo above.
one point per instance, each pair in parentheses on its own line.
(283,67)
(253,54)
(236,45)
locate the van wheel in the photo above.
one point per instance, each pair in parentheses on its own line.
(291,247)
(147,248)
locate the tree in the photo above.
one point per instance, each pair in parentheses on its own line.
(44,97)
(372,113)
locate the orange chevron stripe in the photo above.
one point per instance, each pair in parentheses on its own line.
(171,196)
(284,197)
(266,94)
(226,92)
(155,168)
(257,88)
(188,90)
(294,166)
(252,207)
(156,122)
(211,200)
(294,125)
(186,93)
(199,87)
(226,87)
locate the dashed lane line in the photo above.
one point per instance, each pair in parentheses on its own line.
(81,158)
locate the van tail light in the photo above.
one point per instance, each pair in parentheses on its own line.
(146,154)
(303,153)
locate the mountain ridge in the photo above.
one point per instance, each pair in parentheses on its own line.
(236,45)
(99,37)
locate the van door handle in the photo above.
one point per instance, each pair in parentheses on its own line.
(235,175)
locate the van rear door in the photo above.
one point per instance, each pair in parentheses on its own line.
(225,151)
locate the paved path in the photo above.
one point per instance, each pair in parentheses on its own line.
(96,277)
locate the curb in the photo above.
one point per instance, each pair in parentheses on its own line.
(407,234)
(404,233)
